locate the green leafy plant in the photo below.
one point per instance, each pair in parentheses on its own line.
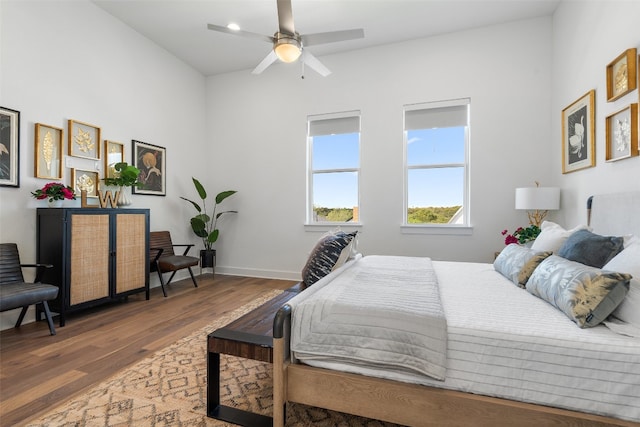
(204,225)
(521,235)
(126,175)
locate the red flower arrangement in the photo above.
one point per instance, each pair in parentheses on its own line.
(54,191)
(521,235)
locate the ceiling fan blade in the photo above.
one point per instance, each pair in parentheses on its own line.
(268,60)
(331,37)
(285,17)
(314,63)
(241,33)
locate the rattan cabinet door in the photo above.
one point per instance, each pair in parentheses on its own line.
(89,259)
(131,252)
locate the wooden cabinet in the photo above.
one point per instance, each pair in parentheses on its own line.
(98,255)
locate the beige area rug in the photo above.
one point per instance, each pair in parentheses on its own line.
(169,389)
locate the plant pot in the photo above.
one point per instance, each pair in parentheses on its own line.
(125,196)
(54,203)
(208,258)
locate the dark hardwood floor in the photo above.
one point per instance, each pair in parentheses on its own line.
(39,371)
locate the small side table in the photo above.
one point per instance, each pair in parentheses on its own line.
(251,337)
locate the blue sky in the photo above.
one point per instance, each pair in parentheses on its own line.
(434,187)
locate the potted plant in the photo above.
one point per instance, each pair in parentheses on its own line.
(54,192)
(522,236)
(126,175)
(205,225)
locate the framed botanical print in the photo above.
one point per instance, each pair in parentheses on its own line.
(84,140)
(48,151)
(151,160)
(578,134)
(113,153)
(621,75)
(9,147)
(622,134)
(85,180)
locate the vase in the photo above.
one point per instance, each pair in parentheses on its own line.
(208,259)
(125,196)
(54,203)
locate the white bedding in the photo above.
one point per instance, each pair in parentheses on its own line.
(505,342)
(382,312)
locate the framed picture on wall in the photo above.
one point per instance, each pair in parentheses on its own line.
(9,147)
(85,180)
(113,153)
(622,134)
(48,151)
(578,134)
(84,140)
(621,75)
(151,160)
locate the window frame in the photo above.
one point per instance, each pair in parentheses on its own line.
(310,223)
(432,228)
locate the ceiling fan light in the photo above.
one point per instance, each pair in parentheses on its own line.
(287,50)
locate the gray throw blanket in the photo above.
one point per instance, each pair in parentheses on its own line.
(384,312)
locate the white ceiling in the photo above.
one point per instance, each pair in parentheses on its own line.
(180,26)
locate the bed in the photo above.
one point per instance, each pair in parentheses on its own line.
(511,357)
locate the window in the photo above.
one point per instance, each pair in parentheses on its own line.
(334,166)
(436,139)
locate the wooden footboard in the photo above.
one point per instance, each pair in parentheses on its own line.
(402,403)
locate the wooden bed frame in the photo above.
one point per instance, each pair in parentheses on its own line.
(411,404)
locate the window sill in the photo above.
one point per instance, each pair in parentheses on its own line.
(436,230)
(328,226)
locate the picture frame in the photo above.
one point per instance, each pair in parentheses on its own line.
(48,151)
(113,153)
(622,134)
(9,147)
(578,134)
(151,160)
(85,179)
(84,140)
(622,75)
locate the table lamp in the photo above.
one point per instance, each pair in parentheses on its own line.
(538,201)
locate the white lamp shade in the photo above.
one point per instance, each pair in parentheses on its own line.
(539,198)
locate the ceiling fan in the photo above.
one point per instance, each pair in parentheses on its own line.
(289,45)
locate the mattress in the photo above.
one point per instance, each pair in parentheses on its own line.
(504,342)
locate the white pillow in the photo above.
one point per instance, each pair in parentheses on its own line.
(628,261)
(552,236)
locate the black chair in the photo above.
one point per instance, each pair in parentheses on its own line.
(16,293)
(164,260)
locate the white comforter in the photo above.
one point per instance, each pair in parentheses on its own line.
(384,312)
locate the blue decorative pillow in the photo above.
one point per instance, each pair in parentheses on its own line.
(587,295)
(331,251)
(591,249)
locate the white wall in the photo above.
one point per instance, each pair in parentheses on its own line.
(257,127)
(65,60)
(586,37)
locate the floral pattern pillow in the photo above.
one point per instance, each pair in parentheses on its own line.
(517,263)
(587,295)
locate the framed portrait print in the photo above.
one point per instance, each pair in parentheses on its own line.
(621,75)
(113,153)
(578,134)
(84,140)
(85,180)
(622,134)
(151,160)
(48,151)
(9,147)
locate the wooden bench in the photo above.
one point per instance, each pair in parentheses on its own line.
(250,337)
